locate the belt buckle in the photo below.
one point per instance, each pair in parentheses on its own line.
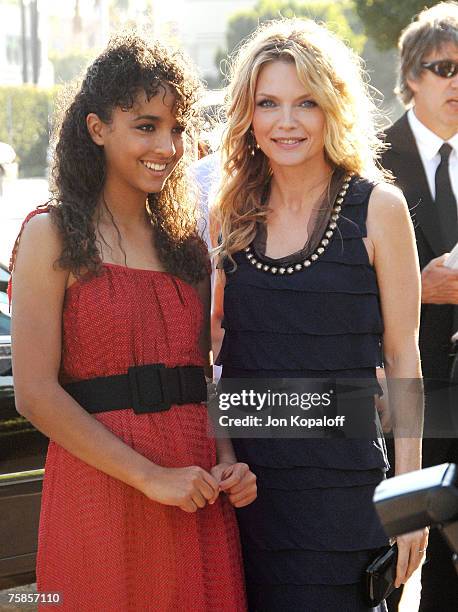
(139,406)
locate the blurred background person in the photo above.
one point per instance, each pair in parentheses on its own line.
(423,157)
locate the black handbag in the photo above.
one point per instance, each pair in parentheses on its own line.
(380,575)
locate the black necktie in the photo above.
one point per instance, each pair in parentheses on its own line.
(445,200)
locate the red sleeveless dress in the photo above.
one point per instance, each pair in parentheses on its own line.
(102,544)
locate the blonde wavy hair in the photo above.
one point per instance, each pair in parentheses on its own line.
(333,75)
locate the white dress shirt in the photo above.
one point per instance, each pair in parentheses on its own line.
(428,144)
(206,172)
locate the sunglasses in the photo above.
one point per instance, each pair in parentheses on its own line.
(445,69)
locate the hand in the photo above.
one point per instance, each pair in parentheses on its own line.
(218,470)
(411,552)
(439,284)
(189,488)
(238,482)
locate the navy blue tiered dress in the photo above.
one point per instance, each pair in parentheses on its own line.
(313,529)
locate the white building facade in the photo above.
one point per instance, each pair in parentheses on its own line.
(199,26)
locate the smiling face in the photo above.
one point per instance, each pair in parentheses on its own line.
(287,122)
(435,97)
(142,145)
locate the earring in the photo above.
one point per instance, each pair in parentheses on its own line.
(253,145)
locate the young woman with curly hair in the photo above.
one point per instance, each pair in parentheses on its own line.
(319,266)
(110,333)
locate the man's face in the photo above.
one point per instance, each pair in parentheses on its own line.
(435,97)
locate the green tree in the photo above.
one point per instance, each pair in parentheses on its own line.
(385,19)
(382,69)
(339,17)
(24,124)
(71,64)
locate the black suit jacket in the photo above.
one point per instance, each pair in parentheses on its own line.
(437,322)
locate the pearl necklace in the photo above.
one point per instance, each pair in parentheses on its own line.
(335,213)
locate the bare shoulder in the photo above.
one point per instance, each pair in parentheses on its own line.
(387,209)
(38,249)
(39,227)
(387,199)
(40,237)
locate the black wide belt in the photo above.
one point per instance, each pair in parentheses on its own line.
(148,388)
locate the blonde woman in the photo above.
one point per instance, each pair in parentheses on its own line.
(319,266)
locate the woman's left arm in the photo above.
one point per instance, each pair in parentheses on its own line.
(391,245)
(234,478)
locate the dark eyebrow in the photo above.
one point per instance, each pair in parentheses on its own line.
(147,117)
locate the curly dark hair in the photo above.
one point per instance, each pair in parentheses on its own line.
(128,66)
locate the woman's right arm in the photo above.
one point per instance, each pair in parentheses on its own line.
(38,294)
(217,311)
